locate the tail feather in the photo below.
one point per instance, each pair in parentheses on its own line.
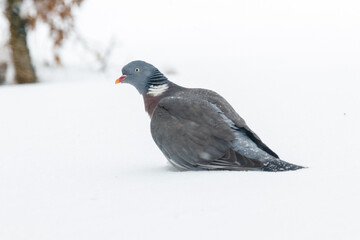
(278,165)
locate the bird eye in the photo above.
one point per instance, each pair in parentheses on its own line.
(137,69)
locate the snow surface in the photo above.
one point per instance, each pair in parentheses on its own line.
(77,160)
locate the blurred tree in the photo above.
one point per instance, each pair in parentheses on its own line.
(3,67)
(57,14)
(24,70)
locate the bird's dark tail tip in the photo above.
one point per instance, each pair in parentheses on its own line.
(280,166)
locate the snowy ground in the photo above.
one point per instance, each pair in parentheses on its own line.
(77,160)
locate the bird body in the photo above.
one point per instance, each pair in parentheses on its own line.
(197,129)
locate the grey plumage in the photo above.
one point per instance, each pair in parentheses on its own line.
(198,129)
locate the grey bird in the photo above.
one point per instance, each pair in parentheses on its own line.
(197,129)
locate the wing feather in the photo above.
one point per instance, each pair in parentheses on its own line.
(230,112)
(192,134)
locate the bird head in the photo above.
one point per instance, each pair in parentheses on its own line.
(142,76)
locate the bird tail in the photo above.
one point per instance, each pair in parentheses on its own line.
(277,165)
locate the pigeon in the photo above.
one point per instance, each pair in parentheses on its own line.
(197,129)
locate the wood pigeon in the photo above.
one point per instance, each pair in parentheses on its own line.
(197,129)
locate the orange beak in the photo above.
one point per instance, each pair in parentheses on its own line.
(120,79)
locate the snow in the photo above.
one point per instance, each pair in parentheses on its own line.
(77,160)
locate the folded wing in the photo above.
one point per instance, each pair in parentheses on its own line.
(192,134)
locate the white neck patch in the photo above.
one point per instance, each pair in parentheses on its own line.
(157,90)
